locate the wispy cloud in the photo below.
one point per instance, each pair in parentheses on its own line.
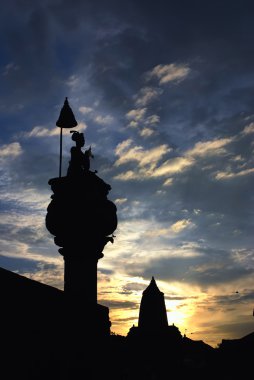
(92,114)
(211,147)
(168,182)
(152,163)
(172,166)
(85,110)
(104,120)
(228,174)
(136,114)
(11,150)
(10,68)
(152,120)
(146,95)
(41,131)
(73,81)
(120,201)
(248,129)
(146,132)
(181,225)
(144,157)
(174,228)
(169,73)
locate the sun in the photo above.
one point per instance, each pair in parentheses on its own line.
(176,315)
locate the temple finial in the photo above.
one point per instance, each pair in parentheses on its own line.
(66,118)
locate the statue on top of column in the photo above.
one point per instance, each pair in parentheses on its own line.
(80,162)
(80,216)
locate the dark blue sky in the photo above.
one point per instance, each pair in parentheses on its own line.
(165,94)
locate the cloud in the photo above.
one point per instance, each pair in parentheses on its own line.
(181,225)
(26,261)
(128,175)
(85,110)
(202,266)
(175,228)
(152,119)
(40,131)
(120,201)
(144,158)
(10,68)
(227,174)
(149,159)
(134,286)
(117,304)
(169,73)
(104,120)
(168,182)
(133,124)
(27,227)
(95,117)
(146,95)
(73,81)
(136,114)
(81,126)
(212,147)
(137,117)
(146,132)
(121,147)
(248,129)
(172,166)
(11,150)
(237,158)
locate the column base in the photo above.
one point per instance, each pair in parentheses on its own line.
(86,320)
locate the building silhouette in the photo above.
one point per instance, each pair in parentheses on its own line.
(153,321)
(152,312)
(43,337)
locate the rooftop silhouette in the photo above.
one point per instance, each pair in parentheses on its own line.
(45,334)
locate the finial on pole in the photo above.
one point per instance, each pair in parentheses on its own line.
(66,120)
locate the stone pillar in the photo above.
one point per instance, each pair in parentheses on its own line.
(78,280)
(82,220)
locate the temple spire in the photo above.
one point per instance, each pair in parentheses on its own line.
(152,313)
(152,287)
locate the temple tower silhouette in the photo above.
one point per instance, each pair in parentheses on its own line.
(82,220)
(153,322)
(152,312)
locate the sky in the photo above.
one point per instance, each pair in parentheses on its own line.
(164,93)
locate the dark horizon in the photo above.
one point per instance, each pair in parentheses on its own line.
(20,285)
(35,345)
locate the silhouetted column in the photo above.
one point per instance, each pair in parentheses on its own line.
(82,220)
(78,280)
